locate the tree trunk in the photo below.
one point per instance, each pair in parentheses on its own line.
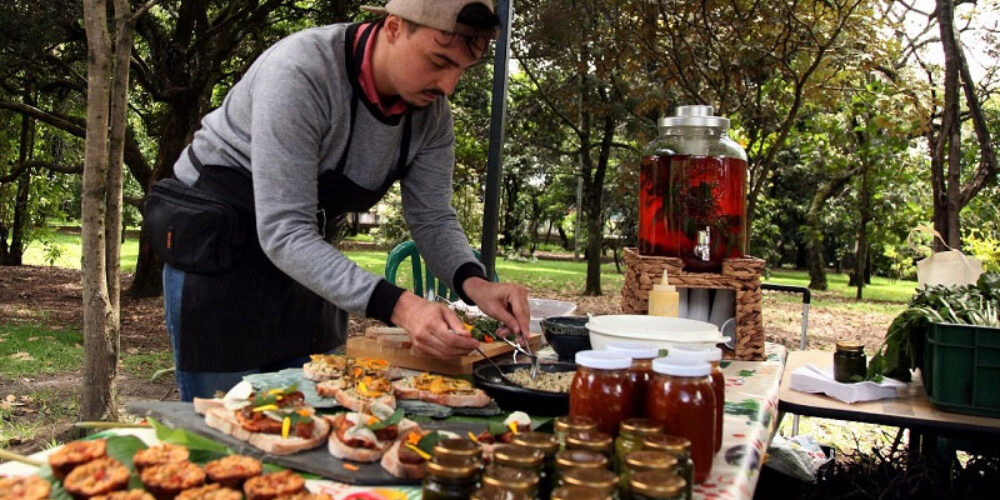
(15,252)
(861,260)
(814,232)
(592,217)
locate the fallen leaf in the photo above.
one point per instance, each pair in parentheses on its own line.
(132,350)
(23,356)
(32,339)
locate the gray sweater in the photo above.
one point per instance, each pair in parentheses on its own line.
(287,121)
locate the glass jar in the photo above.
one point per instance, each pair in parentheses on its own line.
(641,371)
(602,480)
(630,434)
(656,485)
(639,461)
(496,493)
(519,457)
(578,493)
(849,362)
(459,447)
(567,424)
(521,481)
(679,448)
(547,444)
(681,397)
(692,191)
(579,459)
(598,441)
(602,389)
(712,356)
(450,478)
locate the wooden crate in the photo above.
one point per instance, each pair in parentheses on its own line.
(741,275)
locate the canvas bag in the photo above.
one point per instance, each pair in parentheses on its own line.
(950,267)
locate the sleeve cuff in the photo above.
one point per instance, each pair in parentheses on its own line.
(383,301)
(464,272)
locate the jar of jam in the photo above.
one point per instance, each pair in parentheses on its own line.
(495,493)
(849,363)
(679,448)
(547,444)
(602,480)
(522,481)
(459,447)
(578,493)
(567,424)
(598,441)
(602,389)
(450,478)
(681,397)
(579,459)
(519,457)
(639,461)
(630,435)
(656,485)
(640,372)
(712,356)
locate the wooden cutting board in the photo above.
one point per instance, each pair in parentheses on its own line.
(393,345)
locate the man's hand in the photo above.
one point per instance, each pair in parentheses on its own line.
(431,327)
(505,302)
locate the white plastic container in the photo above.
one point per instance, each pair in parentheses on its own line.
(655,331)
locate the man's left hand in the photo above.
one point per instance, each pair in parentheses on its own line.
(505,302)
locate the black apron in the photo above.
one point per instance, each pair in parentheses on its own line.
(255,314)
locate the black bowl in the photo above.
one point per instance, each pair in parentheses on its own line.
(567,335)
(514,397)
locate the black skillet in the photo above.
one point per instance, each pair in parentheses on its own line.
(513,397)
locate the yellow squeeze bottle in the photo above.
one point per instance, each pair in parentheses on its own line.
(664,299)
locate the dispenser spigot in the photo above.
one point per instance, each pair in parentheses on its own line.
(703,249)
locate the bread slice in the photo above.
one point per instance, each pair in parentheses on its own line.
(225,421)
(473,397)
(393,465)
(349,397)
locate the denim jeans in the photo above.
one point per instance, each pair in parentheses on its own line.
(201,384)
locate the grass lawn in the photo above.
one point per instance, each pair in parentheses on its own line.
(880,289)
(65,251)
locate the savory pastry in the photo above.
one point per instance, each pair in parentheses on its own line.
(362,437)
(277,421)
(233,470)
(125,495)
(76,453)
(158,455)
(24,488)
(210,492)
(407,456)
(97,477)
(271,486)
(165,481)
(358,394)
(440,390)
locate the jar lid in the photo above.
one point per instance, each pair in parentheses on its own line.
(650,460)
(578,493)
(674,445)
(657,484)
(850,346)
(680,367)
(601,479)
(571,423)
(494,493)
(708,355)
(634,350)
(458,447)
(603,360)
(580,459)
(693,116)
(518,455)
(589,440)
(512,478)
(639,427)
(547,443)
(452,466)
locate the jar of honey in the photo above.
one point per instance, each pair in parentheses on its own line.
(638,461)
(567,424)
(656,485)
(692,191)
(630,435)
(578,493)
(450,478)
(712,356)
(640,372)
(679,448)
(519,457)
(459,447)
(601,480)
(849,363)
(681,397)
(602,389)
(598,441)
(547,444)
(522,481)
(579,459)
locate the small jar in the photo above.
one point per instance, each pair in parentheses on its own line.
(712,356)
(602,389)
(495,493)
(579,459)
(598,441)
(681,397)
(602,480)
(641,371)
(630,435)
(645,460)
(547,444)
(578,493)
(519,457)
(520,481)
(567,424)
(849,362)
(656,485)
(450,478)
(459,447)
(680,448)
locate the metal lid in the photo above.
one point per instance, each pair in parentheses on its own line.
(674,445)
(452,466)
(657,484)
(580,459)
(850,346)
(545,442)
(601,479)
(578,493)
(650,460)
(639,427)
(494,493)
(571,423)
(523,456)
(589,440)
(693,116)
(458,447)
(511,478)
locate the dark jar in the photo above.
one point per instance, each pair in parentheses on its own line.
(578,493)
(459,447)
(548,445)
(522,481)
(579,459)
(567,424)
(645,460)
(451,478)
(598,441)
(681,397)
(656,485)
(680,448)
(602,480)
(849,362)
(630,435)
(495,493)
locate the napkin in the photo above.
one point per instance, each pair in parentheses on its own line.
(811,379)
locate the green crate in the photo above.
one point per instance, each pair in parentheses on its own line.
(962,368)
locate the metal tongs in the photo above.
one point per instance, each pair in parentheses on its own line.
(523,350)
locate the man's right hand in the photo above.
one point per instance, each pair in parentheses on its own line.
(431,327)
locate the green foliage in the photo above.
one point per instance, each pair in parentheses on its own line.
(985,246)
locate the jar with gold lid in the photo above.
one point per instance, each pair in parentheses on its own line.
(495,493)
(450,478)
(680,448)
(630,434)
(656,485)
(645,460)
(522,481)
(597,479)
(579,459)
(567,424)
(459,447)
(578,493)
(849,362)
(519,457)
(598,441)
(547,444)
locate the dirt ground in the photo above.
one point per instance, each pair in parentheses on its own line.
(52,296)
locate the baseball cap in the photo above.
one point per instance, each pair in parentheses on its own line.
(438,14)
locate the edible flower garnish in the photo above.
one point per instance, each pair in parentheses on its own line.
(513,427)
(423,454)
(269,407)
(286,425)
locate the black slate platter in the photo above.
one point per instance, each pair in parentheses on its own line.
(317,461)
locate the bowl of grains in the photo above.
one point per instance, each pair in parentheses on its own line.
(547,395)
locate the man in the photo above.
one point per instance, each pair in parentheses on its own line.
(322,124)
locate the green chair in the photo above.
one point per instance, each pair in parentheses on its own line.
(421,281)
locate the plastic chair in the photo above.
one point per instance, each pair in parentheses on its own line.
(422,282)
